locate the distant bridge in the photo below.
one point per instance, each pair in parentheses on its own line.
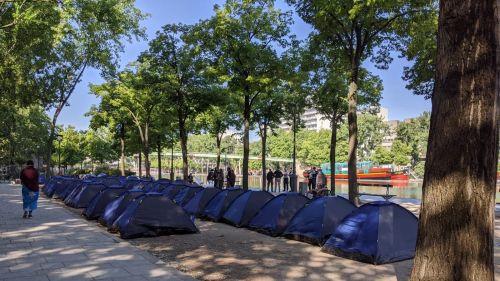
(226,156)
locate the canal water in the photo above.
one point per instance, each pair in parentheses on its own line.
(402,189)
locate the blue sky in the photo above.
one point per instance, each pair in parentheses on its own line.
(400,102)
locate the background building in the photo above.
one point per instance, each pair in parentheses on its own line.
(315,121)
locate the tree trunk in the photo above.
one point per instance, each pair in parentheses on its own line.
(263,134)
(353,137)
(172,163)
(218,143)
(147,150)
(456,226)
(159,160)
(184,137)
(140,163)
(122,150)
(333,145)
(246,142)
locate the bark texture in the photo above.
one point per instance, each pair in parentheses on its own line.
(246,142)
(456,227)
(263,134)
(159,159)
(184,138)
(352,121)
(333,145)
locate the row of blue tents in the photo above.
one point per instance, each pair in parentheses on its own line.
(378,232)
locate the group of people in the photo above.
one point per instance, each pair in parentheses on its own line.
(274,180)
(216,178)
(316,182)
(316,179)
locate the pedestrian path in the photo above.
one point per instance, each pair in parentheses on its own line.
(59,245)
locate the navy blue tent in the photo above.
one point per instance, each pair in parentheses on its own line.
(62,191)
(273,218)
(153,214)
(198,203)
(96,207)
(316,222)
(216,208)
(56,183)
(245,207)
(378,233)
(51,186)
(173,189)
(116,207)
(186,194)
(80,197)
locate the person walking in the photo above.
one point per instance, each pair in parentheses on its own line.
(30,189)
(286,180)
(269,177)
(277,179)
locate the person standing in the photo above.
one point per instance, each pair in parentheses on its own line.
(286,180)
(231,177)
(277,179)
(320,179)
(220,179)
(210,178)
(269,177)
(312,178)
(30,189)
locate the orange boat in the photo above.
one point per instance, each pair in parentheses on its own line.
(366,172)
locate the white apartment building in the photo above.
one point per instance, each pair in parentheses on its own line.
(315,121)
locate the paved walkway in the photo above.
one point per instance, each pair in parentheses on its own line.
(58,245)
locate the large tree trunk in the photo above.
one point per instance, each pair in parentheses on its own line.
(159,159)
(184,138)
(353,136)
(333,145)
(218,144)
(246,142)
(456,226)
(263,134)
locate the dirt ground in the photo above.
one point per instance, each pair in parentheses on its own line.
(224,252)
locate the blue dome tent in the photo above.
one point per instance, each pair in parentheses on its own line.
(55,183)
(245,207)
(80,197)
(153,214)
(116,207)
(186,194)
(216,208)
(378,233)
(200,200)
(273,218)
(315,222)
(96,207)
(61,192)
(173,189)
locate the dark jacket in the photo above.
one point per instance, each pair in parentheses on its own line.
(278,174)
(270,176)
(29,178)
